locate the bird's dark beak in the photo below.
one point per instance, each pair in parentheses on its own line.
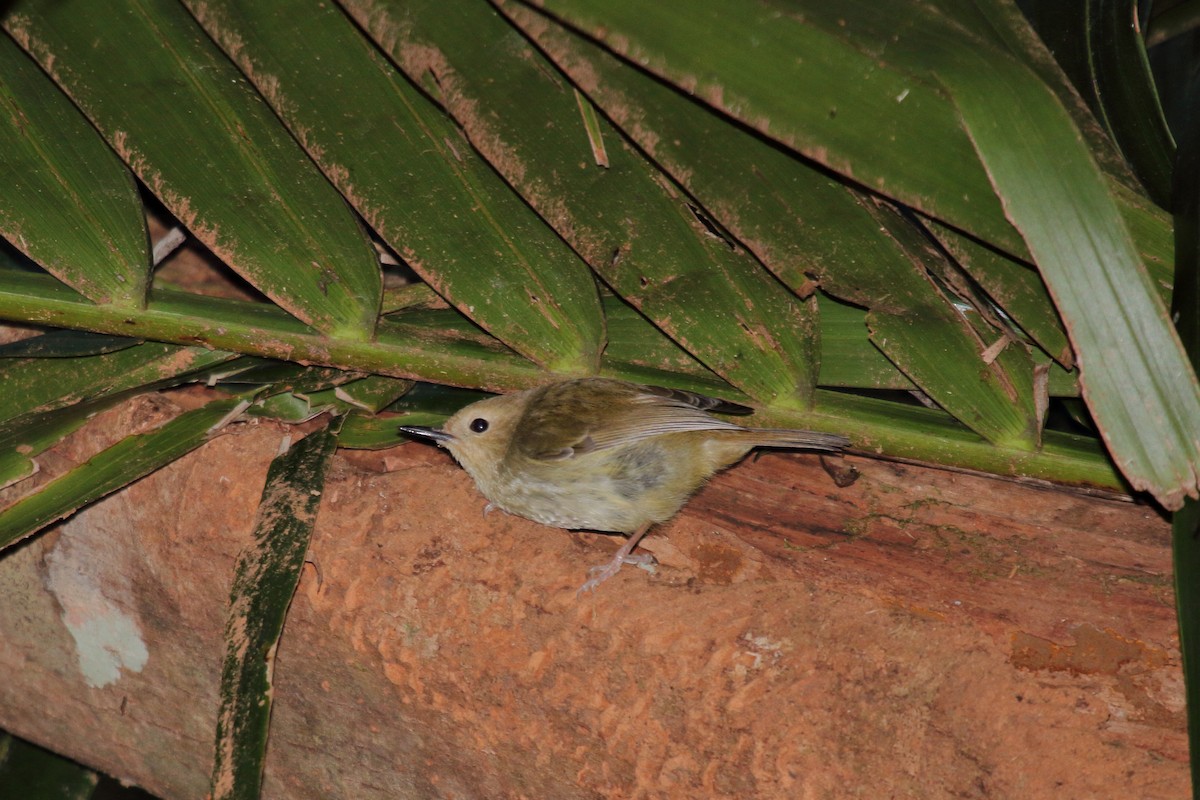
(437,435)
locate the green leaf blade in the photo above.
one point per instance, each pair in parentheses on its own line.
(1100,47)
(404,166)
(1017,287)
(1134,115)
(112,468)
(69,203)
(860,116)
(45,384)
(184,119)
(265,578)
(648,241)
(1135,375)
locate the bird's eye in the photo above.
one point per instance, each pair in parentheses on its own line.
(479,425)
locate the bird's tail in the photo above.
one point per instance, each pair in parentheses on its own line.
(809,440)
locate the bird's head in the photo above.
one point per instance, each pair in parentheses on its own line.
(478,436)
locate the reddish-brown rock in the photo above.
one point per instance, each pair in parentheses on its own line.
(919,634)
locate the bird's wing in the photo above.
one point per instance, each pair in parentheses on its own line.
(584,416)
(696,400)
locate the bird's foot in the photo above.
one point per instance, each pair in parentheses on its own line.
(600,574)
(623,556)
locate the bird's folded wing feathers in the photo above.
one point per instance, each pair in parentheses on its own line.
(655,415)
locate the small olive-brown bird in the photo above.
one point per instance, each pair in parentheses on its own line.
(600,454)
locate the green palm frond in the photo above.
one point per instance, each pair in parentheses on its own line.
(690,248)
(911,222)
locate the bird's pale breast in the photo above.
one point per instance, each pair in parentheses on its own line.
(616,489)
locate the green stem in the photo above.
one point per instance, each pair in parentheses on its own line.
(432,346)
